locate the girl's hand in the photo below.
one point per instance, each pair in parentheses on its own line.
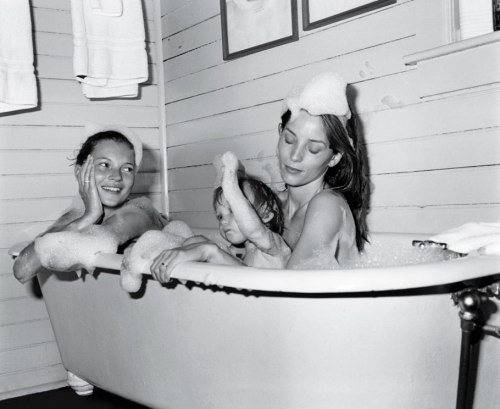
(205,251)
(166,261)
(88,190)
(164,264)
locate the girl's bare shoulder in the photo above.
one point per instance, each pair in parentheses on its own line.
(143,205)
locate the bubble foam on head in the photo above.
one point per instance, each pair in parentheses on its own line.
(323,94)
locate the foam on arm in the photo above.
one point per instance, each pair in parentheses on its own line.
(139,258)
(247,218)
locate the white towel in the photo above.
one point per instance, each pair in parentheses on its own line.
(483,238)
(112,8)
(110,57)
(17,77)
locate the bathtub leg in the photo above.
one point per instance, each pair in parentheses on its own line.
(80,386)
(469,302)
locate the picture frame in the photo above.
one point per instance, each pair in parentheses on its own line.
(249,26)
(318,13)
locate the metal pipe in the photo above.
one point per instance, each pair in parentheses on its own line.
(469,302)
(465,355)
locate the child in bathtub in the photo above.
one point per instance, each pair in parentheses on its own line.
(250,219)
(102,217)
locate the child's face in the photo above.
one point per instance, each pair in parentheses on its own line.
(228,227)
(114,165)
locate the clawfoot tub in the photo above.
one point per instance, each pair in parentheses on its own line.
(225,337)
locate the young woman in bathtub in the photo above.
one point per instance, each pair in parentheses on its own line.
(250,219)
(322,166)
(103,217)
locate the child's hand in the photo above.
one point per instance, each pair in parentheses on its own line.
(229,162)
(88,189)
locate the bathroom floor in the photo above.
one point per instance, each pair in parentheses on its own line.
(65,398)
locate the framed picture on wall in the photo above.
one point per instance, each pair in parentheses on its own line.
(249,26)
(317,13)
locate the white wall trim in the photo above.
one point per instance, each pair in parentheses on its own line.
(452,48)
(161,107)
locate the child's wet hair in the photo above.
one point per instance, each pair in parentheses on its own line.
(349,175)
(92,141)
(264,201)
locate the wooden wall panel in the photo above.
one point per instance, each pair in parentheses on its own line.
(37,183)
(436,158)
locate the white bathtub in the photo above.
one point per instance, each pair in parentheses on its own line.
(346,339)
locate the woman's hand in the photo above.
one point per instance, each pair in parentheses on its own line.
(88,190)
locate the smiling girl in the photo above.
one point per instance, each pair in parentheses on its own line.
(105,169)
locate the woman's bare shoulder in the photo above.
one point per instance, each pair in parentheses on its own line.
(327,199)
(143,205)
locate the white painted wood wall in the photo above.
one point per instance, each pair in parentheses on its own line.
(37,183)
(433,162)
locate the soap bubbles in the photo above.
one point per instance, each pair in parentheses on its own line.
(72,250)
(138,259)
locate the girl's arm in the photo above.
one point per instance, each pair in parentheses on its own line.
(247,218)
(27,264)
(209,252)
(318,242)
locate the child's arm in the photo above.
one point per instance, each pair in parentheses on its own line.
(247,218)
(164,264)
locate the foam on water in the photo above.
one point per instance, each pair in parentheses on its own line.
(399,254)
(379,255)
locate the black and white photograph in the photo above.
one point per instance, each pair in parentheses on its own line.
(249,204)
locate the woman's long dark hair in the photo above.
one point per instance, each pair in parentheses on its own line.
(349,176)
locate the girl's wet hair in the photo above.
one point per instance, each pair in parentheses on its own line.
(349,175)
(265,201)
(92,141)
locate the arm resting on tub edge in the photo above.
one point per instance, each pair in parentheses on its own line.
(327,281)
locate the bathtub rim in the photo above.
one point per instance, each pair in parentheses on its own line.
(354,280)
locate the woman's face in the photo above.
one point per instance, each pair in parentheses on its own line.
(114,169)
(304,152)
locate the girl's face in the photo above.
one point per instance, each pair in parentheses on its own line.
(304,152)
(228,227)
(114,168)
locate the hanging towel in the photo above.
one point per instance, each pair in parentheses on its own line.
(17,77)
(110,57)
(113,8)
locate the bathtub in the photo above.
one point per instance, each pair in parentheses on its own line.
(225,337)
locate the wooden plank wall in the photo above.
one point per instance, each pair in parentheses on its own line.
(36,184)
(433,163)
